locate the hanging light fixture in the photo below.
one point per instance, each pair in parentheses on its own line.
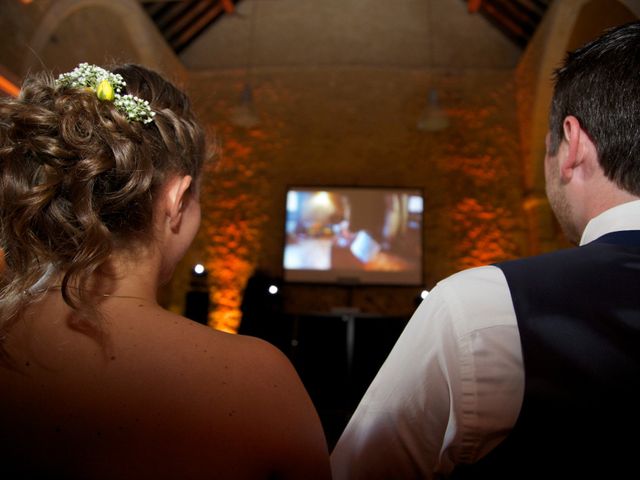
(433,118)
(244,114)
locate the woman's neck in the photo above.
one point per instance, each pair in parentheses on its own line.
(135,275)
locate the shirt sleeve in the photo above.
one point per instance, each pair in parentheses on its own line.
(450,390)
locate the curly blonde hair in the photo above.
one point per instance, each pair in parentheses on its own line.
(78,180)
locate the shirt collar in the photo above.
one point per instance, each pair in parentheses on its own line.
(619,218)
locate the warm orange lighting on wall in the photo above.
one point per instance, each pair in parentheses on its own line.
(481,230)
(8,87)
(226,320)
(231,275)
(231,223)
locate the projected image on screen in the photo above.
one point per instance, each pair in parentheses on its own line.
(354,235)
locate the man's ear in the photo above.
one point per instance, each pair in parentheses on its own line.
(176,198)
(581,154)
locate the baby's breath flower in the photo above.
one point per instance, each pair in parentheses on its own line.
(108,87)
(134,108)
(85,75)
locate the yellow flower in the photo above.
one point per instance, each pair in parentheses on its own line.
(104,91)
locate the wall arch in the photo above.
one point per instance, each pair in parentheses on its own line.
(144,43)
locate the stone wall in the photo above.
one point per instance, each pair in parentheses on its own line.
(356,126)
(334,124)
(344,115)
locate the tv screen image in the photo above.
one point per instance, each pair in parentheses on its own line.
(354,235)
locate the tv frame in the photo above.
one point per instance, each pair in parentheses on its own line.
(329,277)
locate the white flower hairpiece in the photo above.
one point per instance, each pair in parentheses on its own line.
(108,87)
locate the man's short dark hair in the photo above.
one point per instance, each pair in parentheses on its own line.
(599,84)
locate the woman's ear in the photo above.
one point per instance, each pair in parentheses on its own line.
(176,197)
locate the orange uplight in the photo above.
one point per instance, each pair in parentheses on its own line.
(8,87)
(231,273)
(226,320)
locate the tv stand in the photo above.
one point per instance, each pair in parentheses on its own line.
(348,315)
(337,354)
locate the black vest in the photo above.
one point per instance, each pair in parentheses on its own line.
(578,313)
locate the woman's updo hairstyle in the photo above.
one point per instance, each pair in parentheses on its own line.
(78,180)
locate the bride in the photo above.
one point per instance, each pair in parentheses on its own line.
(99,183)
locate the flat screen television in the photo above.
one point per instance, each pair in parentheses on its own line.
(354,235)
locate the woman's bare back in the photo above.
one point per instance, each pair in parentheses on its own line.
(162,397)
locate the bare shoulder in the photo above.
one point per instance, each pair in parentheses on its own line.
(201,357)
(240,389)
(196,349)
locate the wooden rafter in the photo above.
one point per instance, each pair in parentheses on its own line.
(181,22)
(517,19)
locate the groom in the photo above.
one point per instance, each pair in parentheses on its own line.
(531,368)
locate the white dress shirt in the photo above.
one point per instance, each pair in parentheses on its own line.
(452,387)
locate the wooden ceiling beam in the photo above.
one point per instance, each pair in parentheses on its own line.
(183,22)
(196,27)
